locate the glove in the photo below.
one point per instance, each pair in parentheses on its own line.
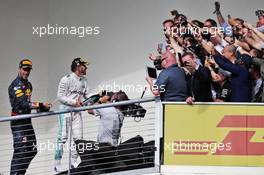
(217,7)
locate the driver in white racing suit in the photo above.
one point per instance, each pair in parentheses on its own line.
(72,90)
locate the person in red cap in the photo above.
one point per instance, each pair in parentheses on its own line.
(24,139)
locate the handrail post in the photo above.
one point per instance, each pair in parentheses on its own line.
(70,142)
(158,130)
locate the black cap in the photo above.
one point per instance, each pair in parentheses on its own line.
(80,61)
(77,62)
(259,12)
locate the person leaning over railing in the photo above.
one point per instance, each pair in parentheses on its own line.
(24,139)
(199,79)
(111,118)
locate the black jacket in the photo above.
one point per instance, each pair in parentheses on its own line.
(199,85)
(20,95)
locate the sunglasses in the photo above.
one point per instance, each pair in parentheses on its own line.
(26,69)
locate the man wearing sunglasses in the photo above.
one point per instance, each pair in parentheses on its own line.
(24,139)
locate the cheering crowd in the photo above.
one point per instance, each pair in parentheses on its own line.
(210,61)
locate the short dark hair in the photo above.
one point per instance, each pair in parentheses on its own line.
(121,96)
(166,21)
(198,23)
(188,54)
(240,20)
(77,62)
(212,22)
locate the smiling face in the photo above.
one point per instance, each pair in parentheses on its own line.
(81,70)
(260,21)
(24,73)
(188,59)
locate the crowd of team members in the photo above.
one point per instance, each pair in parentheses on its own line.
(205,62)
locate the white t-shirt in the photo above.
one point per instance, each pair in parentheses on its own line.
(220,47)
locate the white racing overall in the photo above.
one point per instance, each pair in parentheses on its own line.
(71,88)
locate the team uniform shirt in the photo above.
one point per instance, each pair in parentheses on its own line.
(24,139)
(111,121)
(70,89)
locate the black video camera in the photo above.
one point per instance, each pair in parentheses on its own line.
(135,110)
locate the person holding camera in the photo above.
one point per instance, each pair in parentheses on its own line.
(72,91)
(24,139)
(199,79)
(171,83)
(111,118)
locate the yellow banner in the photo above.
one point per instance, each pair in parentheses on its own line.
(218,135)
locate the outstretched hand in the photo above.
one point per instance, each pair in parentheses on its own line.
(152,57)
(217,7)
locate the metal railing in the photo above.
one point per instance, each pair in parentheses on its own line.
(149,129)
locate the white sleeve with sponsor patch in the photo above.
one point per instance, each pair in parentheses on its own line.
(71,88)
